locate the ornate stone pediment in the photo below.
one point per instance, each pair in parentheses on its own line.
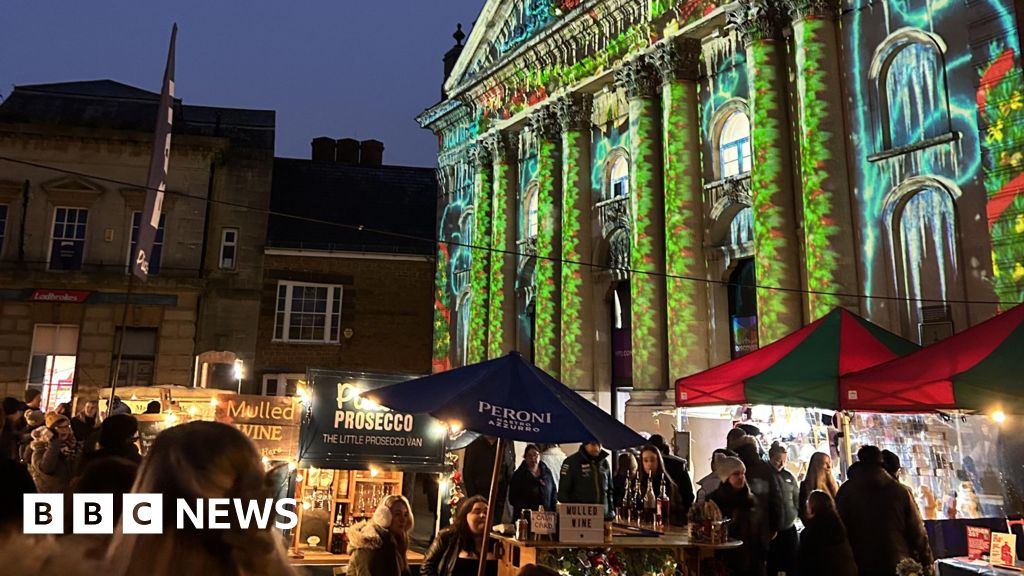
(72,191)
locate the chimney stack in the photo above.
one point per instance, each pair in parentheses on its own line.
(371,153)
(323,149)
(348,151)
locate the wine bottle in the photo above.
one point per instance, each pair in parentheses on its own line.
(650,504)
(664,503)
(638,501)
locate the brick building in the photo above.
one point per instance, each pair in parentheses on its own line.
(75,156)
(335,296)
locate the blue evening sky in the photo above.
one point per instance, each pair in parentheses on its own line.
(340,68)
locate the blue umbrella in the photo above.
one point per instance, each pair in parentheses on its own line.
(509,398)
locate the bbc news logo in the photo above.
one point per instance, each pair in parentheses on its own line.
(144,514)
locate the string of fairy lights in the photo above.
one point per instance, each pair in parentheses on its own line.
(477,248)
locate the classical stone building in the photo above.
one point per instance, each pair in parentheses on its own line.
(347,284)
(636,191)
(73,160)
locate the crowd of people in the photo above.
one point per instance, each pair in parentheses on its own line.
(864,527)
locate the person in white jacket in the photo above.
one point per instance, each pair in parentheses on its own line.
(711,482)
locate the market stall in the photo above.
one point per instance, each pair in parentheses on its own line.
(352,454)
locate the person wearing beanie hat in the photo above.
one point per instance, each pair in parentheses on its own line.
(118,435)
(748,518)
(711,482)
(54,455)
(379,546)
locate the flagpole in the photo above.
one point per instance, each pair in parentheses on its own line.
(492,503)
(120,344)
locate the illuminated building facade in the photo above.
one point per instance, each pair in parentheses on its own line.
(636,191)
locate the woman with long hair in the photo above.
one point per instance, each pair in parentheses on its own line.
(532,485)
(652,468)
(201,460)
(456,549)
(824,548)
(819,477)
(380,545)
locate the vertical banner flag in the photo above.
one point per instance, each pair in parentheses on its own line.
(157,181)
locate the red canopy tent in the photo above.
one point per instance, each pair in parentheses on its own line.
(800,370)
(981,368)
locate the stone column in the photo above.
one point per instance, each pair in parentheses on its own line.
(686,293)
(501,316)
(828,224)
(480,254)
(547,301)
(776,246)
(577,338)
(647,251)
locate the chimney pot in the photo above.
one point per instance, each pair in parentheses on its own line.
(323,149)
(348,151)
(371,152)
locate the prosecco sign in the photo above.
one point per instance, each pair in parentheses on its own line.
(342,430)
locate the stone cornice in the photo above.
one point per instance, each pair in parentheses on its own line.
(800,9)
(637,77)
(757,20)
(574,111)
(677,59)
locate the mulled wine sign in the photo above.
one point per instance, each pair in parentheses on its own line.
(583,523)
(978,542)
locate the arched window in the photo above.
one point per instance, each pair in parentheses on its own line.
(911,75)
(734,145)
(619,178)
(530,212)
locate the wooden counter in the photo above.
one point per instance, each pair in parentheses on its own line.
(328,559)
(517,553)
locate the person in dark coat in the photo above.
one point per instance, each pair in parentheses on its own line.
(85,424)
(653,470)
(478,465)
(882,519)
(532,485)
(15,482)
(586,478)
(380,545)
(677,471)
(118,434)
(12,434)
(456,550)
(747,519)
(625,470)
(824,548)
(763,480)
(784,547)
(54,455)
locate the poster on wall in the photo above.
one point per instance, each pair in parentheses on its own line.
(341,430)
(271,422)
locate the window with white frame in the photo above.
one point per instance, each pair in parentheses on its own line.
(52,366)
(68,239)
(734,145)
(619,178)
(158,243)
(3,226)
(228,248)
(307,312)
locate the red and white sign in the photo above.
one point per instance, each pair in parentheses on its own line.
(978,541)
(60,296)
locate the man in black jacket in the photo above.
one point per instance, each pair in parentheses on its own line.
(586,478)
(763,480)
(478,467)
(881,518)
(675,467)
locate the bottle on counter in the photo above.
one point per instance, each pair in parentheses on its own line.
(523,526)
(664,504)
(638,501)
(650,504)
(624,511)
(338,539)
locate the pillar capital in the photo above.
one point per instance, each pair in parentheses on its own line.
(800,9)
(544,124)
(574,111)
(500,145)
(637,77)
(479,153)
(758,19)
(677,60)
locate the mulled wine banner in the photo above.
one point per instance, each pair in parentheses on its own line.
(271,422)
(340,430)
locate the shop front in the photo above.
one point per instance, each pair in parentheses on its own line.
(352,454)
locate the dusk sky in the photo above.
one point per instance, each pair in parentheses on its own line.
(338,68)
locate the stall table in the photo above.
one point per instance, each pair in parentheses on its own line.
(517,553)
(316,563)
(964,567)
